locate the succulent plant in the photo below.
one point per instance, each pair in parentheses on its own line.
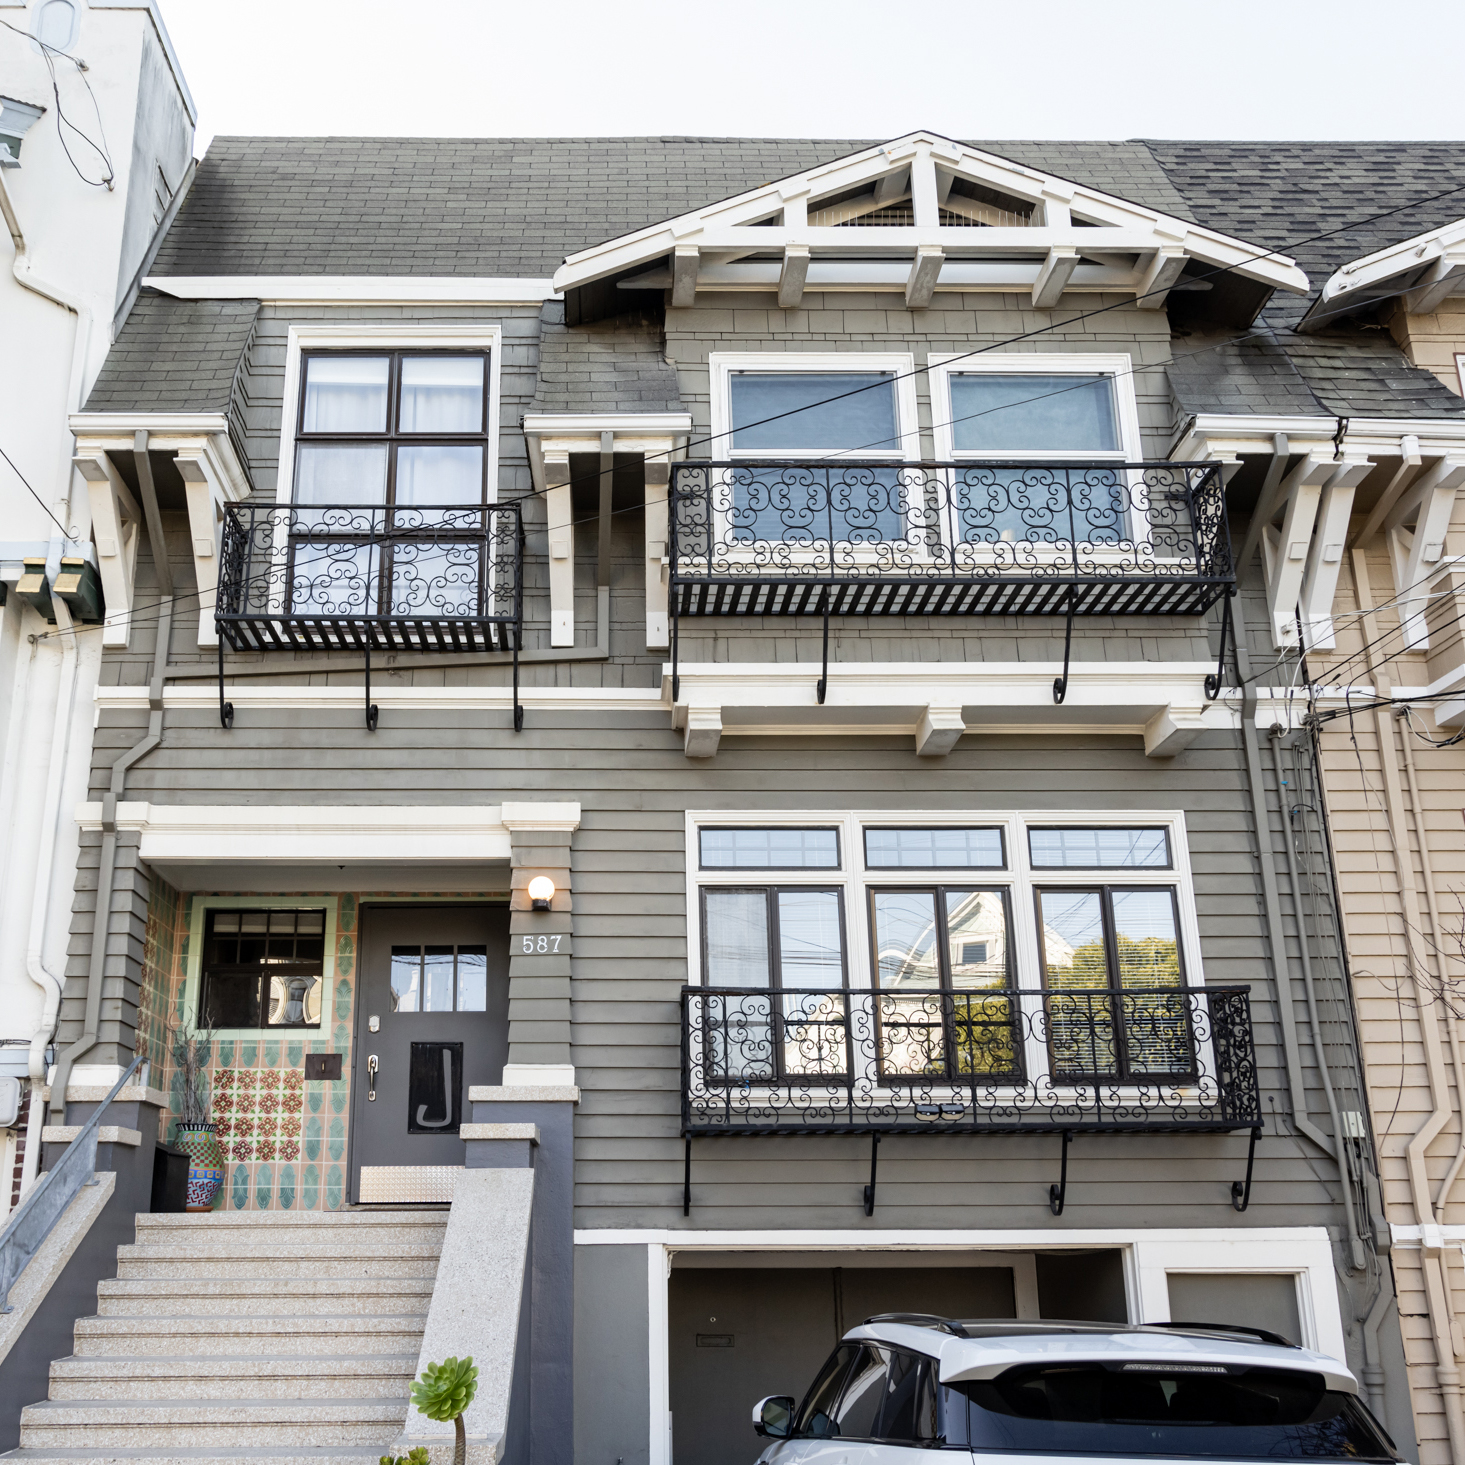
(443,1392)
(419,1456)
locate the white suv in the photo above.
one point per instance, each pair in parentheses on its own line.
(905,1382)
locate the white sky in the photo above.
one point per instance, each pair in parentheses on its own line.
(986,69)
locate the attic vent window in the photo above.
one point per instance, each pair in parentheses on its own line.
(16,119)
(56,24)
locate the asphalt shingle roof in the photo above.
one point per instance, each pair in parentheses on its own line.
(175,356)
(615,365)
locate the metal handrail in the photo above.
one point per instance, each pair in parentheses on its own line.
(38,1213)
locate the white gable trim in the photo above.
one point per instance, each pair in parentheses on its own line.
(923,166)
(1426,270)
(357,289)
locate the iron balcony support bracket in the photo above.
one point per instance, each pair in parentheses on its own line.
(1060,684)
(518,709)
(1241,1189)
(1057,1194)
(687,1179)
(823,686)
(226,709)
(870,1188)
(1213,682)
(372,711)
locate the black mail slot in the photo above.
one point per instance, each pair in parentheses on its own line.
(322,1067)
(435,1089)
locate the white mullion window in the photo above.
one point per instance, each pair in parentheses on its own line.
(834,412)
(1049,410)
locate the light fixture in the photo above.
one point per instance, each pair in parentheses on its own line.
(541,892)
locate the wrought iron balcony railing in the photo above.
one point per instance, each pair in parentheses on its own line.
(959,538)
(759,1061)
(349,577)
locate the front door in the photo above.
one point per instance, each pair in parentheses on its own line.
(432,1019)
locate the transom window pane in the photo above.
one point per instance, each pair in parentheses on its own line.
(769,849)
(442,394)
(439,978)
(806,419)
(345,394)
(1033,412)
(933,849)
(1099,849)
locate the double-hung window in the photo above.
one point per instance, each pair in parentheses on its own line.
(1034,434)
(390,477)
(803,430)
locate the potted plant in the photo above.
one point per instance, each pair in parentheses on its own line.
(196,1134)
(443,1392)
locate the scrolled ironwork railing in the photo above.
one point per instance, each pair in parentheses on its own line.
(38,1213)
(869,537)
(353,577)
(780,1061)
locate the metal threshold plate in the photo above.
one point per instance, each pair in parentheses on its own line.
(408,1184)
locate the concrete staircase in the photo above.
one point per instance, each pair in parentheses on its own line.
(259,1336)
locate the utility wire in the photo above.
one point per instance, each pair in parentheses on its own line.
(63,122)
(65,532)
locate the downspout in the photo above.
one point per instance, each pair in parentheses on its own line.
(1276,937)
(108,858)
(1309,990)
(1436,1285)
(35,965)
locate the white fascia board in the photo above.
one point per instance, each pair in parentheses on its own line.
(1253,433)
(181,432)
(325,834)
(296,692)
(1129,226)
(124,424)
(1374,272)
(639,424)
(358,289)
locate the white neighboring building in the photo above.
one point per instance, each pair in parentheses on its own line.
(96,145)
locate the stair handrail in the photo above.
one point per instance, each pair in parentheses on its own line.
(38,1213)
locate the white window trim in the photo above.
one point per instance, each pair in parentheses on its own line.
(1119,366)
(193,975)
(722,365)
(1460,370)
(1019,877)
(1302,1252)
(401,336)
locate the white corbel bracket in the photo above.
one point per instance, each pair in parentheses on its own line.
(702,732)
(1173,729)
(938,730)
(116,519)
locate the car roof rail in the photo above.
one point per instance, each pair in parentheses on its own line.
(1263,1335)
(920,1320)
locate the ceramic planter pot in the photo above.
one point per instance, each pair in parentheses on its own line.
(205,1165)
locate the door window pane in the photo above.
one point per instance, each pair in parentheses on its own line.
(1099,849)
(905,939)
(345,394)
(472,979)
(736,925)
(437,979)
(810,948)
(933,849)
(341,473)
(442,394)
(806,420)
(1030,412)
(406,978)
(769,849)
(439,475)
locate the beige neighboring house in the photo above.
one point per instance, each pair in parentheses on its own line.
(1390,669)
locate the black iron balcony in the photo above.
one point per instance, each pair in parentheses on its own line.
(357,578)
(970,539)
(1076,1060)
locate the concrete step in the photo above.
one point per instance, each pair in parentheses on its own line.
(206,1238)
(216,1297)
(324,1334)
(354,1217)
(341,1376)
(263,1454)
(133,1261)
(163,1424)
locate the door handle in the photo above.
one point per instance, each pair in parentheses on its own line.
(371,1068)
(422,1120)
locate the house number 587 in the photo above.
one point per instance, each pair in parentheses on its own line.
(539,945)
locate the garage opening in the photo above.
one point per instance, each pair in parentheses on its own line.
(747,1324)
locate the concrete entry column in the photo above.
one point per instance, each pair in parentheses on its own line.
(540,945)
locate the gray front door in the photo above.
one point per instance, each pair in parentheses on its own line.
(432,1019)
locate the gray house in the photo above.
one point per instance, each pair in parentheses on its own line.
(696,723)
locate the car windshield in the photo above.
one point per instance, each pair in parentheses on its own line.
(1198,1410)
